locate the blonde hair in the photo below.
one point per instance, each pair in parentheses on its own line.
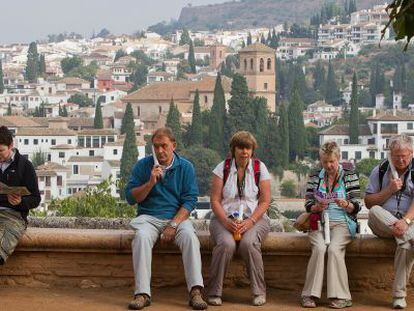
(330,148)
(242,139)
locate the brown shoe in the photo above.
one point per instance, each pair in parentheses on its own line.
(196,299)
(139,302)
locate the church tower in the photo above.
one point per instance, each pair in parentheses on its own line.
(258,66)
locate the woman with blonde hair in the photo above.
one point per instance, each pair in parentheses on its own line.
(332,197)
(240,197)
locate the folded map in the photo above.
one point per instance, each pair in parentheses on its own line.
(19,190)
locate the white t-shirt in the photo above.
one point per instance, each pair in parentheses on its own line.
(231,201)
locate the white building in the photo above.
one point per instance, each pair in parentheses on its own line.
(52,179)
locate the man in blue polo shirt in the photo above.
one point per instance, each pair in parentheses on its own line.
(165,188)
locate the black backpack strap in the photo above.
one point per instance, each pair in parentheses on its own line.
(383,167)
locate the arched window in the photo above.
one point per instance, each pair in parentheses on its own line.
(245,64)
(269,64)
(251,63)
(261,65)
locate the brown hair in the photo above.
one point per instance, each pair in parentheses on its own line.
(163,132)
(6,137)
(242,139)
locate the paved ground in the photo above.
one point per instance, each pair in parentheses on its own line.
(65,299)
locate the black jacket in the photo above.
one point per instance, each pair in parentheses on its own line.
(21,173)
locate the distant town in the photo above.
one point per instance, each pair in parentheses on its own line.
(65,98)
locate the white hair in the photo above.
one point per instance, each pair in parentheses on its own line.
(401,142)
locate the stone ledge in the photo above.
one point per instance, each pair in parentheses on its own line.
(115,241)
(50,257)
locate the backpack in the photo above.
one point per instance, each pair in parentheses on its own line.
(256,170)
(383,167)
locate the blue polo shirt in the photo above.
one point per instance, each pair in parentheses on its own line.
(178,188)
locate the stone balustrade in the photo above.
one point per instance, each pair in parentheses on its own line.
(102,258)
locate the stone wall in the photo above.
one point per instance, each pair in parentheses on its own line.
(102,258)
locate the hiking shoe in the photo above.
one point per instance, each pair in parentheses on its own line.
(340,303)
(259,300)
(139,302)
(399,303)
(308,302)
(214,300)
(196,300)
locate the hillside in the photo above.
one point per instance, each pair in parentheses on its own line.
(255,13)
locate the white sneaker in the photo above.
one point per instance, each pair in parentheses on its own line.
(214,301)
(259,300)
(399,303)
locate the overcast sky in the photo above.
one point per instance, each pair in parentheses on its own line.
(29,20)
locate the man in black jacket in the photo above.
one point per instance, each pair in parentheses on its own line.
(15,170)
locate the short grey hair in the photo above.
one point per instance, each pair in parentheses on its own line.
(401,142)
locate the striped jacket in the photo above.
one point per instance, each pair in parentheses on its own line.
(351,181)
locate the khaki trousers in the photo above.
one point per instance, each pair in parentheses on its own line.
(380,221)
(249,249)
(337,275)
(148,229)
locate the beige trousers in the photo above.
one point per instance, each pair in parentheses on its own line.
(249,249)
(380,221)
(337,275)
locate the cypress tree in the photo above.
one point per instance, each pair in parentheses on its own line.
(397,80)
(9,109)
(269,38)
(249,39)
(1,78)
(283,131)
(354,114)
(332,94)
(128,158)
(60,111)
(272,143)
(243,44)
(98,120)
(196,128)
(174,122)
(262,39)
(217,118)
(64,111)
(128,119)
(42,65)
(191,58)
(240,115)
(260,126)
(319,77)
(32,65)
(185,37)
(296,126)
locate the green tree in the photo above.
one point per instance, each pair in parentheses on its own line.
(249,39)
(64,111)
(332,94)
(139,75)
(204,161)
(32,64)
(69,63)
(98,120)
(174,123)
(296,126)
(128,159)
(1,78)
(42,65)
(9,109)
(240,114)
(120,53)
(261,126)
(38,158)
(196,128)
(81,99)
(191,58)
(401,15)
(288,189)
(95,202)
(185,37)
(84,72)
(365,166)
(217,119)
(128,119)
(283,131)
(354,114)
(319,77)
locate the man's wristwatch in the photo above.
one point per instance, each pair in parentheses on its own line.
(173,224)
(407,220)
